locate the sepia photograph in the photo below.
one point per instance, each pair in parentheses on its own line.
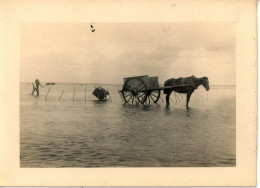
(127,95)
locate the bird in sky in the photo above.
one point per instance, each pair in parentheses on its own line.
(92,28)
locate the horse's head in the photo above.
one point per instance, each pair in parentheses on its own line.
(205,83)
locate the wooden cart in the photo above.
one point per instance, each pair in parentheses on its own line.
(143,90)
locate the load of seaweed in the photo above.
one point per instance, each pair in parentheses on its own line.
(100,93)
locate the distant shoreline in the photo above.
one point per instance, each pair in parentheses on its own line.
(65,83)
(108,84)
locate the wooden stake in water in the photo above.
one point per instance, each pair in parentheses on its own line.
(85,93)
(47,93)
(176,97)
(73,94)
(61,94)
(161,99)
(120,95)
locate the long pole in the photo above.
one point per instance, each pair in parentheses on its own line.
(33,88)
(161,99)
(61,94)
(120,95)
(48,93)
(85,93)
(177,97)
(74,94)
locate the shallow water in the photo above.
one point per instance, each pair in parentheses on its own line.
(83,133)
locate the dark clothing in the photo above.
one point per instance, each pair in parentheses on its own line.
(100,93)
(36,87)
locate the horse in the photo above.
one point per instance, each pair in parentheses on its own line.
(185,85)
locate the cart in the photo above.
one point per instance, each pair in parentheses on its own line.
(143,90)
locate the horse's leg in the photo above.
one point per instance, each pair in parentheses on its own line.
(188,99)
(168,97)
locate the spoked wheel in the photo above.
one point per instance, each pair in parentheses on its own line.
(131,90)
(155,95)
(143,98)
(146,97)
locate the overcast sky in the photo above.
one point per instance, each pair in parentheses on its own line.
(70,52)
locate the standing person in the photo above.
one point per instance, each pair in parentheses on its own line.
(36,87)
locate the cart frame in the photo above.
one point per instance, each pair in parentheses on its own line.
(143,90)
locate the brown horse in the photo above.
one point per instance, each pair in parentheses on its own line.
(186,85)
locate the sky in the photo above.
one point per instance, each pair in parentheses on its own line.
(71,52)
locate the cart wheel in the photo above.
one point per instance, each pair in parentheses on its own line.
(146,97)
(143,98)
(155,95)
(132,88)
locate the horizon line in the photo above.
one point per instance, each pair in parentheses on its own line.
(92,83)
